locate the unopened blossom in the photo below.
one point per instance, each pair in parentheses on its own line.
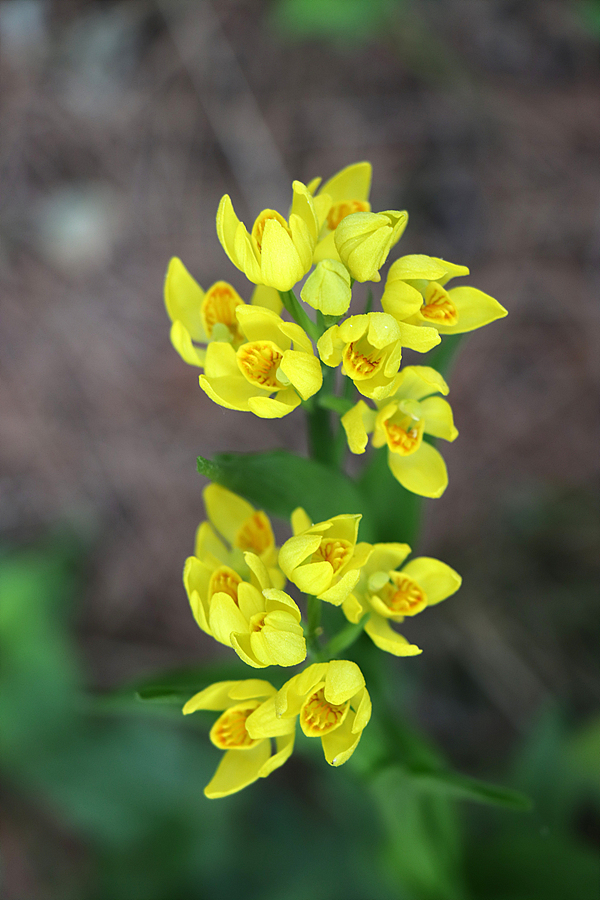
(364,240)
(400,421)
(270,373)
(328,288)
(276,252)
(415,292)
(246,758)
(347,192)
(387,595)
(199,317)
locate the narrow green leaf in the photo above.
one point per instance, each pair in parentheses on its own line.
(463,787)
(279,481)
(443,357)
(340,642)
(393,512)
(297,312)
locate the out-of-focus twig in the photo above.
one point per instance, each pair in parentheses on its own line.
(229,103)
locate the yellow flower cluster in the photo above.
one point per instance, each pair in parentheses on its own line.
(254,360)
(234,582)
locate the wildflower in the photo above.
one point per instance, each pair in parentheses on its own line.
(400,422)
(364,239)
(323,559)
(260,622)
(199,318)
(328,288)
(332,703)
(265,364)
(246,758)
(277,253)
(415,292)
(369,346)
(348,192)
(388,595)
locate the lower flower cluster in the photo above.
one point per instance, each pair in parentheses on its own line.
(235,585)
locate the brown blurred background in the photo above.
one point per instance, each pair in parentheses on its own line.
(122,125)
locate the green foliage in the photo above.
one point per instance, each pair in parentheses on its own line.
(334,20)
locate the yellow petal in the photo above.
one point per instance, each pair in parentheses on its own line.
(289,700)
(218,696)
(474,308)
(337,593)
(400,299)
(182,342)
(418,337)
(437,415)
(266,297)
(342,681)
(436,578)
(225,618)
(452,270)
(340,744)
(384,637)
(386,557)
(300,520)
(327,288)
(237,770)
(228,392)
(351,183)
(313,578)
(285,745)
(296,549)
(303,207)
(183,299)
(280,263)
(304,371)
(353,609)
(274,407)
(358,422)
(279,647)
(326,249)
(330,346)
(420,381)
(260,324)
(423,472)
(265,723)
(227,511)
(416,266)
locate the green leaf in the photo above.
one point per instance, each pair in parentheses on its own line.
(463,787)
(298,313)
(393,512)
(279,481)
(340,642)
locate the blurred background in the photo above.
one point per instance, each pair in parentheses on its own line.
(123,123)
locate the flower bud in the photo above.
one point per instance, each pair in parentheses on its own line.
(364,239)
(328,288)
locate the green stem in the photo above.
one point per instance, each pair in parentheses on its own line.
(313,611)
(292,304)
(320,433)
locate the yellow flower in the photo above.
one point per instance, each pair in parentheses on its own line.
(348,192)
(332,703)
(388,595)
(265,364)
(364,239)
(199,318)
(260,622)
(369,347)
(246,758)
(323,559)
(277,253)
(400,422)
(415,292)
(328,288)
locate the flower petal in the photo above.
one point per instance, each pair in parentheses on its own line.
(420,381)
(285,746)
(418,337)
(304,371)
(474,308)
(340,744)
(300,520)
(342,681)
(436,578)
(423,472)
(227,511)
(337,593)
(267,298)
(274,407)
(182,342)
(280,262)
(437,415)
(237,770)
(416,266)
(183,299)
(351,183)
(384,637)
(358,422)
(264,722)
(225,617)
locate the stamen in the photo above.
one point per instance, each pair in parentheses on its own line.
(345,208)
(437,305)
(229,731)
(218,308)
(404,596)
(335,552)
(359,365)
(259,361)
(255,534)
(318,716)
(404,437)
(224,580)
(258,228)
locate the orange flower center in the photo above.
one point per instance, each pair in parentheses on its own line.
(437,305)
(318,716)
(340,210)
(404,437)
(255,534)
(404,596)
(259,361)
(224,580)
(335,552)
(218,307)
(229,731)
(258,229)
(359,364)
